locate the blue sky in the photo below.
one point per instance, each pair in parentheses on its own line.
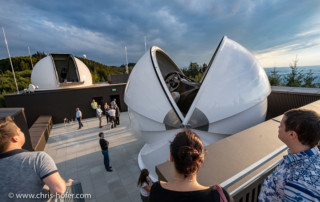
(275,31)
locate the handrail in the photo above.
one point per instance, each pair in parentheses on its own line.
(240,188)
(227,183)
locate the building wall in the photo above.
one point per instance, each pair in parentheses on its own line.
(62,103)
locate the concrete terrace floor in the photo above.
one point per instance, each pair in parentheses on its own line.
(78,156)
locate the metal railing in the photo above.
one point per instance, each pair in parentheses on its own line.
(280,100)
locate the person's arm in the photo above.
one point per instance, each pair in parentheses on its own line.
(55,183)
(48,173)
(147,188)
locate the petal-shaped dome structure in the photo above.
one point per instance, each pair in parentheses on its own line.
(60,71)
(231,97)
(233,87)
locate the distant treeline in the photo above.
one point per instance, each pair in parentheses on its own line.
(22,67)
(195,71)
(295,78)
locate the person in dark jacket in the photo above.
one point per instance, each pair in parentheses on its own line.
(104,147)
(117,114)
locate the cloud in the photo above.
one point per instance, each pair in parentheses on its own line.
(282,55)
(315,31)
(187,30)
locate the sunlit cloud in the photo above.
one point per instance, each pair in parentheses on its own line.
(281,56)
(314,31)
(188,30)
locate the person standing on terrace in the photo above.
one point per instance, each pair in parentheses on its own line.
(297,177)
(99,115)
(113,102)
(106,109)
(112,113)
(94,106)
(187,154)
(117,114)
(104,144)
(79,117)
(22,171)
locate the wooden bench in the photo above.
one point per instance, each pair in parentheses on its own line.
(40,131)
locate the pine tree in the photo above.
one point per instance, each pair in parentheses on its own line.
(309,79)
(274,77)
(295,77)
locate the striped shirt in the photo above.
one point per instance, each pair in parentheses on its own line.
(297,178)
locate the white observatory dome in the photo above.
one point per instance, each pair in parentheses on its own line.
(58,71)
(231,97)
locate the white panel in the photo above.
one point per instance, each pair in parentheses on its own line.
(234,82)
(154,51)
(241,121)
(144,93)
(145,124)
(43,75)
(84,73)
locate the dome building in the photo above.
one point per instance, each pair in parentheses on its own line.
(60,83)
(230,97)
(57,71)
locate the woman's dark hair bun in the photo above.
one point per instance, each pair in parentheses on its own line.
(187,151)
(189,154)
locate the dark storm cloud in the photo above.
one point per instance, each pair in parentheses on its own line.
(187,30)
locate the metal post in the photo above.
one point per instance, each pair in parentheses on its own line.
(145,43)
(14,76)
(127,68)
(30,57)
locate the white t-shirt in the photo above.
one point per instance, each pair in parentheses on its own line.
(99,111)
(143,191)
(112,112)
(78,114)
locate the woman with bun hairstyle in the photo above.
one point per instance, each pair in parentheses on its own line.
(187,154)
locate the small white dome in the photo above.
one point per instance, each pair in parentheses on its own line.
(58,71)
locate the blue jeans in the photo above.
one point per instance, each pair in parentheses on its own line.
(106,158)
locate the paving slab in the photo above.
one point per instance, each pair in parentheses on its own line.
(77,154)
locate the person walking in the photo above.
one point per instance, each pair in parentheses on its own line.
(99,115)
(104,144)
(79,117)
(187,154)
(145,185)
